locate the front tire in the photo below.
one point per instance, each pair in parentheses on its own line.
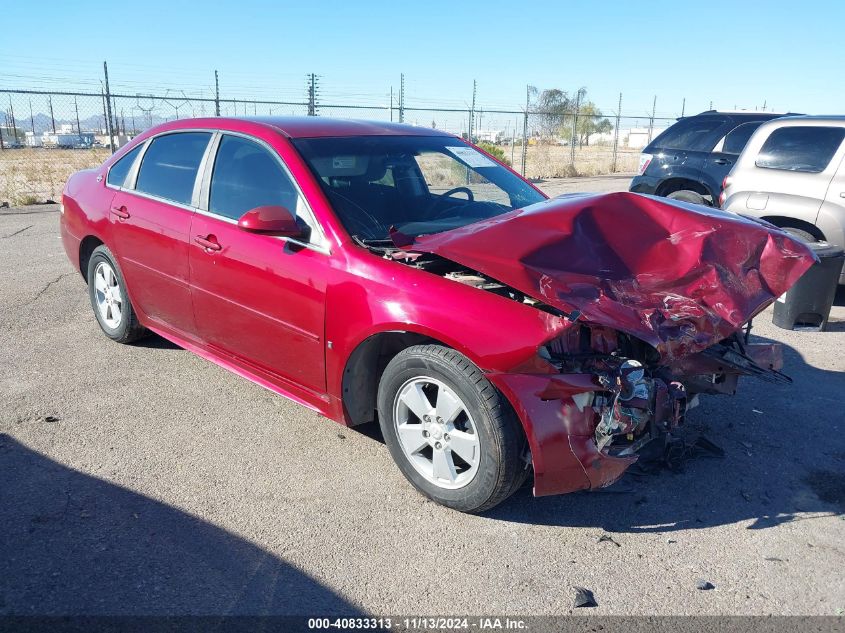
(452,434)
(107,291)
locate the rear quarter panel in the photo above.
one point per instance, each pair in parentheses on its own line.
(85,205)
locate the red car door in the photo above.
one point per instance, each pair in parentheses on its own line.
(259,299)
(152,221)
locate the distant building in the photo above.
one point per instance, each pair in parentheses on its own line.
(67,139)
(32,140)
(489,136)
(639,137)
(11,136)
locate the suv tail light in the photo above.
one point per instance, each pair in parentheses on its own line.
(722,195)
(645,160)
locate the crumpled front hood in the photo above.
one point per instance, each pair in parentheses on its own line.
(680,277)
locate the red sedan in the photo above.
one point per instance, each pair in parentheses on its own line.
(373,271)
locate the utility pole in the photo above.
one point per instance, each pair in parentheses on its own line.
(108,109)
(14,123)
(616,134)
(312,94)
(525,128)
(105,116)
(391,104)
(683,107)
(651,120)
(31,121)
(76,107)
(216,95)
(574,129)
(472,112)
(402,98)
(52,118)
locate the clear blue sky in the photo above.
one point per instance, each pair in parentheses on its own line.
(739,54)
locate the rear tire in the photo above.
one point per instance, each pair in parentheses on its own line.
(685,195)
(107,291)
(450,431)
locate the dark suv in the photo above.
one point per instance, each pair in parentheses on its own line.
(689,160)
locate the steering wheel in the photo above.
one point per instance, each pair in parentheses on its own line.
(466,190)
(447,194)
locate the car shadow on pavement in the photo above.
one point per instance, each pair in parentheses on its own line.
(72,544)
(154,341)
(784,458)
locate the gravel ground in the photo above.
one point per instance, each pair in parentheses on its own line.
(142,479)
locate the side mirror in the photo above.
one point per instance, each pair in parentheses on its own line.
(274,220)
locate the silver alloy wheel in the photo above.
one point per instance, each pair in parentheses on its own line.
(436,432)
(108,295)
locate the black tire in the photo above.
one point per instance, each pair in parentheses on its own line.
(685,195)
(128,329)
(501,468)
(801,234)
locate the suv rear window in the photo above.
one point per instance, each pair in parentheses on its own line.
(694,133)
(807,149)
(170,164)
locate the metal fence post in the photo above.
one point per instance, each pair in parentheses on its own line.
(108,110)
(402,98)
(616,135)
(472,113)
(525,128)
(651,120)
(216,95)
(574,129)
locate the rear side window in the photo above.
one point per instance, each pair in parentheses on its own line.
(807,149)
(170,165)
(247,176)
(119,171)
(737,139)
(696,133)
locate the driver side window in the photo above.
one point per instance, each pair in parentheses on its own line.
(246,176)
(444,173)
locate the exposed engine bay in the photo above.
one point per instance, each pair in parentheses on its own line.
(635,398)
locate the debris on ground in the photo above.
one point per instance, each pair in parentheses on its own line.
(607,538)
(704,585)
(584,598)
(51,418)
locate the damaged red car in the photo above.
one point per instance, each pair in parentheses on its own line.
(373,271)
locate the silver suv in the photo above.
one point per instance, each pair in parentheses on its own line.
(792,174)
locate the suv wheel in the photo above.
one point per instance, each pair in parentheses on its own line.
(685,195)
(452,434)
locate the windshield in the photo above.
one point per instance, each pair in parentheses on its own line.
(418,184)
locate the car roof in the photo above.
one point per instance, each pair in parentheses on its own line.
(738,114)
(318,126)
(814,119)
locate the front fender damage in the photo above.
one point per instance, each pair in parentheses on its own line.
(650,298)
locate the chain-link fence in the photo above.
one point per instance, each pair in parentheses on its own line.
(46,136)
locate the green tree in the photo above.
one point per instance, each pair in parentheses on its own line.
(494,150)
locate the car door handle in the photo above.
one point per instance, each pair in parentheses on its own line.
(208,242)
(722,161)
(842,194)
(120,212)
